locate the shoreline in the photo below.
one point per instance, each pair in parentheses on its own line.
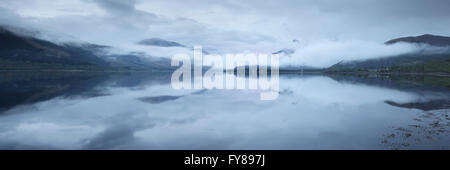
(437,74)
(80,71)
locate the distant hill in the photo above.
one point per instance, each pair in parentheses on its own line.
(28,49)
(27,52)
(416,62)
(403,63)
(285,51)
(433,40)
(159,42)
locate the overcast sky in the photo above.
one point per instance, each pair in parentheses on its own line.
(328,30)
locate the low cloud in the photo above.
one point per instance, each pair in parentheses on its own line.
(327,53)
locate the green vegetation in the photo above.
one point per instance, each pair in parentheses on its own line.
(27,65)
(427,67)
(416,66)
(10,65)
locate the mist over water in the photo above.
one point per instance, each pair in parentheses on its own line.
(143,111)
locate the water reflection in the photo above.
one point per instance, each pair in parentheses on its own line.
(142,111)
(158,99)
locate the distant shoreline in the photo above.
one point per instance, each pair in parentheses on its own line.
(81,70)
(439,74)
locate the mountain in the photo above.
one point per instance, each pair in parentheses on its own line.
(285,51)
(135,61)
(304,68)
(418,62)
(159,42)
(421,61)
(19,48)
(19,51)
(429,39)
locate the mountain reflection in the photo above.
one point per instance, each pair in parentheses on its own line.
(142,111)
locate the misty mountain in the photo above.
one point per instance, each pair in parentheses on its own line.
(27,52)
(410,62)
(159,42)
(421,61)
(429,39)
(291,68)
(135,61)
(28,49)
(285,51)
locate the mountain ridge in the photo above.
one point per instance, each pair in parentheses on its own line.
(430,39)
(19,51)
(159,42)
(420,61)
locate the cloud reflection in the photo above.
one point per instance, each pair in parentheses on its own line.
(327,115)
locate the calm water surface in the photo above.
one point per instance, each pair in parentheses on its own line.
(142,111)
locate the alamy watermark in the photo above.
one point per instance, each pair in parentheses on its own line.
(233,71)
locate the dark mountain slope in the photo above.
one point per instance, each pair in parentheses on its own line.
(429,39)
(18,48)
(160,42)
(20,52)
(421,61)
